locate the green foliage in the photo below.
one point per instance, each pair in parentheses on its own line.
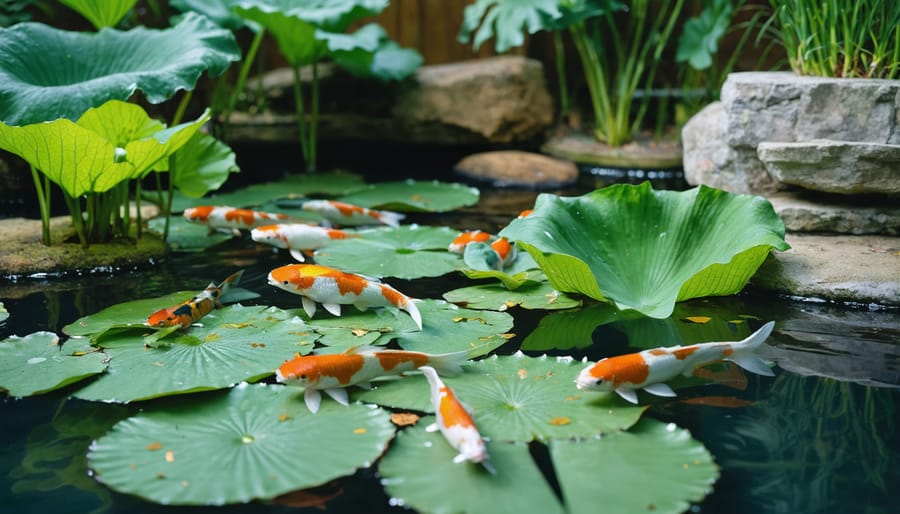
(37,363)
(505,19)
(101,13)
(840,38)
(530,295)
(699,40)
(202,165)
(643,249)
(414,196)
(255,442)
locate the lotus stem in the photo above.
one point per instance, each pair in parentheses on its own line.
(301,116)
(314,121)
(560,53)
(182,106)
(137,212)
(248,61)
(77,218)
(44,204)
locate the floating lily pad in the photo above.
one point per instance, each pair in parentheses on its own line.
(255,442)
(408,251)
(234,344)
(570,329)
(37,364)
(643,249)
(185,236)
(297,185)
(519,398)
(605,471)
(415,196)
(131,314)
(419,468)
(532,295)
(4,314)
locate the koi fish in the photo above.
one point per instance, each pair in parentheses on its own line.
(341,213)
(648,369)
(455,422)
(296,237)
(505,250)
(332,288)
(190,311)
(332,373)
(471,236)
(525,213)
(230,218)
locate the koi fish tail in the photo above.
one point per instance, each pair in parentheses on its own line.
(743,355)
(391,219)
(229,282)
(448,363)
(413,311)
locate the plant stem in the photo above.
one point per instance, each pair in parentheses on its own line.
(314,121)
(560,53)
(77,218)
(44,204)
(137,213)
(182,106)
(242,77)
(301,116)
(594,76)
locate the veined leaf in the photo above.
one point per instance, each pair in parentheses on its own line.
(101,13)
(415,196)
(505,20)
(203,165)
(643,249)
(37,363)
(531,295)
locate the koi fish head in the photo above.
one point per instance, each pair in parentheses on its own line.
(161,318)
(295,278)
(270,234)
(596,377)
(198,214)
(301,371)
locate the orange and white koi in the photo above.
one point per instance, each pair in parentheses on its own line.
(190,311)
(332,373)
(455,422)
(471,236)
(648,369)
(230,218)
(345,214)
(333,288)
(525,213)
(505,250)
(297,237)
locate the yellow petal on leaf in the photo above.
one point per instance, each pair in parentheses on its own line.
(402,419)
(154,446)
(562,420)
(698,319)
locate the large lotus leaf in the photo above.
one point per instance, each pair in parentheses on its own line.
(219,11)
(415,196)
(643,249)
(571,329)
(531,295)
(185,236)
(331,15)
(203,165)
(256,442)
(98,151)
(505,20)
(676,469)
(234,344)
(46,73)
(408,251)
(369,52)
(36,363)
(419,470)
(101,13)
(519,398)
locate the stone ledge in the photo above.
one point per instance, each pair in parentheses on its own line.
(841,217)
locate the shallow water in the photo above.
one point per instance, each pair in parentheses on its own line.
(821,436)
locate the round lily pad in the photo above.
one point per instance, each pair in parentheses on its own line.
(37,364)
(412,195)
(532,295)
(4,314)
(255,442)
(419,470)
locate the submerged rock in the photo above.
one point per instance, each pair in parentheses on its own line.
(515,168)
(841,216)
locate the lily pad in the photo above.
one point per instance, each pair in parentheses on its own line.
(47,73)
(419,467)
(408,251)
(131,314)
(37,364)
(571,329)
(415,196)
(519,398)
(234,344)
(255,442)
(532,295)
(604,471)
(643,249)
(185,236)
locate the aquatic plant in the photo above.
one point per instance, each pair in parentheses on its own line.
(102,13)
(840,38)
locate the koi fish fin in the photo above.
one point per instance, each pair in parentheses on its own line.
(414,313)
(757,338)
(448,363)
(226,285)
(309,306)
(313,399)
(235,232)
(365,385)
(629,394)
(752,363)
(389,218)
(297,255)
(459,458)
(486,464)
(660,389)
(339,394)
(334,308)
(432,428)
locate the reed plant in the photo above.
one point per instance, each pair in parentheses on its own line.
(840,38)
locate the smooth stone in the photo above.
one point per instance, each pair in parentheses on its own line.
(516,168)
(642,153)
(836,215)
(843,167)
(860,269)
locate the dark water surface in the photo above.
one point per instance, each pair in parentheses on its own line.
(821,436)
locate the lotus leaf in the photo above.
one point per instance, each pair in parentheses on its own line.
(107,145)
(505,20)
(46,73)
(415,196)
(37,363)
(643,249)
(101,13)
(234,344)
(572,328)
(255,442)
(408,251)
(531,295)
(369,52)
(186,236)
(518,398)
(219,11)
(419,467)
(4,314)
(604,471)
(202,165)
(129,314)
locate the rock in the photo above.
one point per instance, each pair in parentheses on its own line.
(643,152)
(834,166)
(843,268)
(844,217)
(515,168)
(495,100)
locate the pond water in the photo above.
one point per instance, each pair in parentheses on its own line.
(820,436)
